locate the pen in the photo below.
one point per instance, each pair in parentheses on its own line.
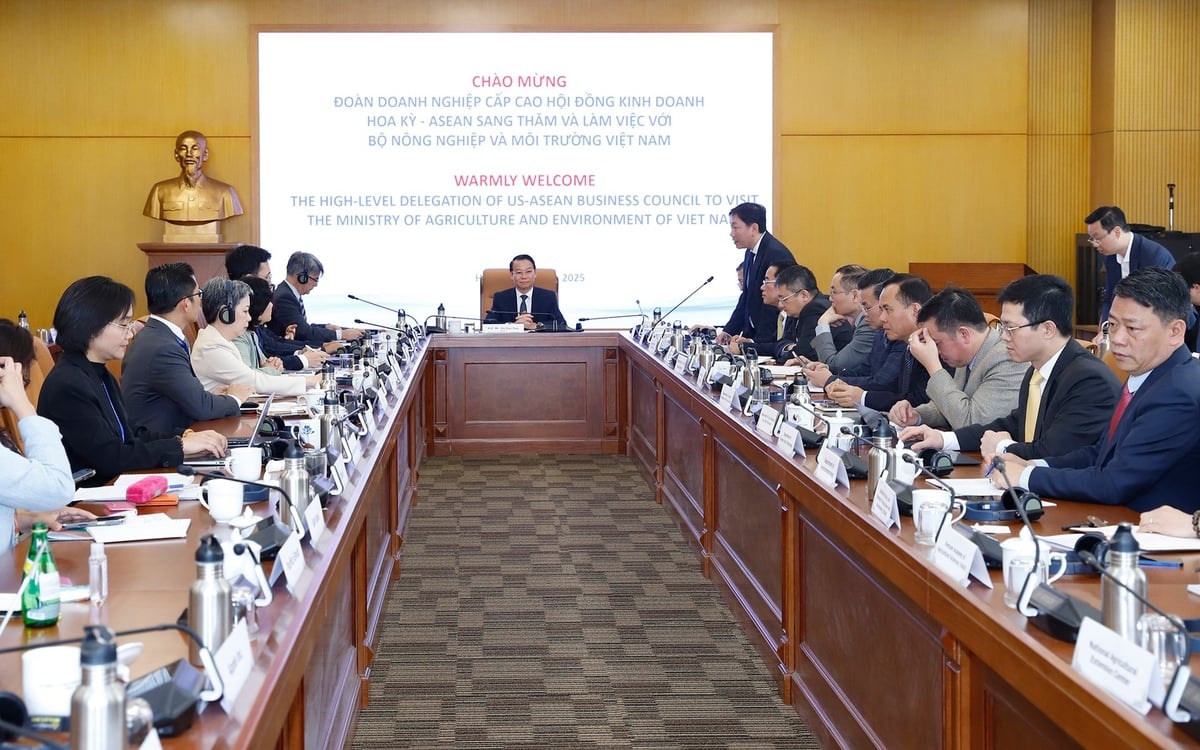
(1150,562)
(988,471)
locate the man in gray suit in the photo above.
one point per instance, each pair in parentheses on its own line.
(161,391)
(985,384)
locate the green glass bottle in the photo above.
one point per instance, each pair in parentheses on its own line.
(40,602)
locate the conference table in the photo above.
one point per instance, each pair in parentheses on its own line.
(865,637)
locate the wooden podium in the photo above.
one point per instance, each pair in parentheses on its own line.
(206,259)
(984,280)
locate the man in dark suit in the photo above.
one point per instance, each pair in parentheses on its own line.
(1189,268)
(304,272)
(1075,392)
(803,303)
(766,337)
(162,393)
(1123,251)
(882,365)
(748,228)
(899,305)
(1148,454)
(533,307)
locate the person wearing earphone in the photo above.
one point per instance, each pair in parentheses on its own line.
(216,359)
(304,272)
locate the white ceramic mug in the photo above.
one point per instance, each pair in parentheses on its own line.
(1021,569)
(49,676)
(222,498)
(934,515)
(245,463)
(1022,548)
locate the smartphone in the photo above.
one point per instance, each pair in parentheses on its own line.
(83,475)
(99,521)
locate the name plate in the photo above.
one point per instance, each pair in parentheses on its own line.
(789,442)
(884,507)
(830,470)
(768,420)
(681,363)
(315,517)
(291,559)
(728,391)
(234,661)
(1115,665)
(959,557)
(502,328)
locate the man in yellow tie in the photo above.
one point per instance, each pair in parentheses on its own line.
(1067,395)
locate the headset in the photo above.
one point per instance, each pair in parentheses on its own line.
(226,315)
(940,463)
(302,277)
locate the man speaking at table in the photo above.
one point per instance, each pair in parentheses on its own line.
(1148,454)
(748,229)
(533,307)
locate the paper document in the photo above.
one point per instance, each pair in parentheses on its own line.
(976,487)
(1147,542)
(142,528)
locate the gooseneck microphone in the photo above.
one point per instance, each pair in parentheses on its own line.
(368,324)
(612,317)
(1179,681)
(936,481)
(685,299)
(1026,589)
(375,304)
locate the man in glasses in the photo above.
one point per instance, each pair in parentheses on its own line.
(1146,455)
(1067,395)
(804,304)
(766,337)
(161,391)
(1123,251)
(304,272)
(953,332)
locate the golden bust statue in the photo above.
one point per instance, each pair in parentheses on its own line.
(192,204)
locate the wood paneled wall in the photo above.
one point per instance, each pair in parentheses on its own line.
(931,130)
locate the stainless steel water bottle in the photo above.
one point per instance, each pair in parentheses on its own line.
(210,600)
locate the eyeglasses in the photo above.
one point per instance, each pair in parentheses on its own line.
(793,294)
(198,294)
(999,327)
(769,282)
(123,326)
(1095,241)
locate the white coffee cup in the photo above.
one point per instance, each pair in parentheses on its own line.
(49,676)
(934,515)
(314,399)
(245,463)
(222,498)
(929,495)
(1022,548)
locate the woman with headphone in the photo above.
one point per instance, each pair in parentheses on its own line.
(215,358)
(261,348)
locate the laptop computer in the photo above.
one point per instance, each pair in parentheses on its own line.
(236,442)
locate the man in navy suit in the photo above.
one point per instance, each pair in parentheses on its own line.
(1123,251)
(1147,455)
(1075,392)
(304,272)
(162,393)
(533,307)
(748,228)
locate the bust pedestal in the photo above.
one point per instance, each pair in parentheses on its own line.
(206,258)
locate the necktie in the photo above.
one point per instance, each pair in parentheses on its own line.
(1126,397)
(524,308)
(1033,404)
(906,373)
(779,326)
(183,345)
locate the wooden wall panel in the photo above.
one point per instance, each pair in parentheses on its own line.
(1059,108)
(887,201)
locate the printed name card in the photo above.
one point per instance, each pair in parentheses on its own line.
(830,470)
(789,442)
(728,391)
(1110,662)
(234,661)
(958,557)
(681,363)
(291,559)
(768,420)
(884,507)
(316,521)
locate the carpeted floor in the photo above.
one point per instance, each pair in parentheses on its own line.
(547,601)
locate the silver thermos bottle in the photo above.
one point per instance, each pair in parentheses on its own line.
(98,704)
(210,600)
(331,431)
(294,481)
(881,458)
(1120,609)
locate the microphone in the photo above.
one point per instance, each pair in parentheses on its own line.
(936,481)
(269,546)
(676,307)
(375,304)
(1179,681)
(612,317)
(810,438)
(362,322)
(1026,590)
